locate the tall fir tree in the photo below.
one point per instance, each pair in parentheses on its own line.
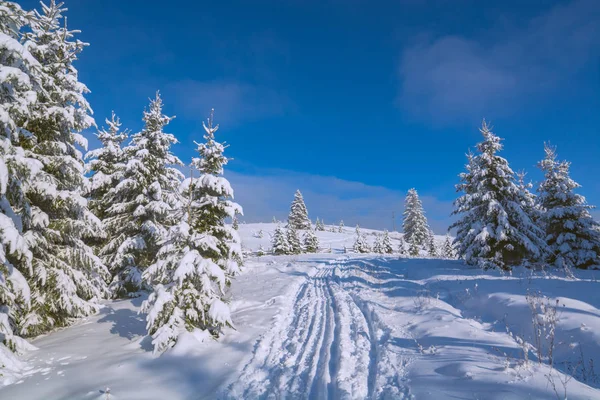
(20,80)
(414,224)
(200,256)
(493,230)
(67,277)
(572,235)
(143,203)
(298,218)
(341,228)
(280,242)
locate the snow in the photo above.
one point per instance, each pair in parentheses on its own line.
(335,325)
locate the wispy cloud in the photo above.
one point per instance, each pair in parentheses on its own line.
(452,78)
(235,102)
(268,193)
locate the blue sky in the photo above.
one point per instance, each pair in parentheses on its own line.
(354,102)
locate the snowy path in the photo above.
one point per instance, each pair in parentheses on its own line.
(329,346)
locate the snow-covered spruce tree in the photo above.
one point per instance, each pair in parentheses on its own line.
(298,217)
(413,249)
(528,202)
(493,230)
(377,245)
(67,277)
(386,243)
(200,255)
(341,228)
(294,241)
(360,242)
(234,224)
(143,203)
(448,249)
(280,242)
(572,235)
(431,246)
(402,247)
(311,242)
(319,226)
(107,166)
(19,81)
(414,224)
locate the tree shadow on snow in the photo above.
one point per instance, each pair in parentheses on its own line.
(126,323)
(196,377)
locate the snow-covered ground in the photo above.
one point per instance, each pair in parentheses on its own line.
(344,326)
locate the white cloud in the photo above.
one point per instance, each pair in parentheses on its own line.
(454,78)
(269,193)
(234,102)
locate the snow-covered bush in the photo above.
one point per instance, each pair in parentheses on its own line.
(544,318)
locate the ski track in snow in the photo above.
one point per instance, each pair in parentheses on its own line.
(331,345)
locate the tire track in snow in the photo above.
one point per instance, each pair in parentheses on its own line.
(326,347)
